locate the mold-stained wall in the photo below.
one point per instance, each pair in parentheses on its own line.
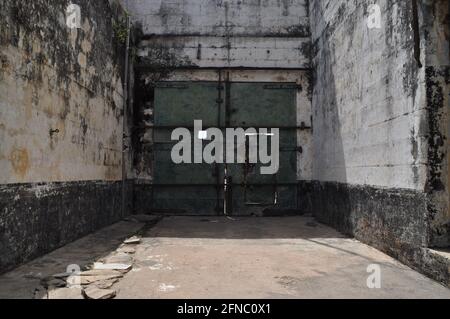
(379,141)
(231,33)
(61,106)
(369,114)
(61,124)
(436,16)
(233,52)
(220,17)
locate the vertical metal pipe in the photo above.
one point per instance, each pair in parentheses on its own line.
(219,124)
(228,181)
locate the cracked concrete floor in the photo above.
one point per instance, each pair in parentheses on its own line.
(194,257)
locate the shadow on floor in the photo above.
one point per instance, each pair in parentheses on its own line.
(242,228)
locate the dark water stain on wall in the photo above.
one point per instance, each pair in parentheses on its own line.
(66,87)
(38,218)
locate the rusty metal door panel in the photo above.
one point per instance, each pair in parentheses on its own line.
(178,104)
(188,189)
(169,173)
(287,171)
(265,105)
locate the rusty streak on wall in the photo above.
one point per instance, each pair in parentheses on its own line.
(61,93)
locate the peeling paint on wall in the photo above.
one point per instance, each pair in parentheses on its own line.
(61,94)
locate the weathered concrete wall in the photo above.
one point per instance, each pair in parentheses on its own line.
(437,76)
(369,106)
(234,33)
(374,128)
(221,17)
(233,52)
(39,218)
(61,111)
(61,105)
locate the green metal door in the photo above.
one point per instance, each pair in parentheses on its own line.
(198,189)
(191,189)
(265,105)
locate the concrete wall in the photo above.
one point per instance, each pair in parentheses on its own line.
(61,111)
(437,72)
(221,17)
(373,125)
(61,94)
(369,106)
(233,52)
(217,33)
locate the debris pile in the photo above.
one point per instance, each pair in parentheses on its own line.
(96,281)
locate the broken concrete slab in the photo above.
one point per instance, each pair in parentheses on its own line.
(65,293)
(106,284)
(96,275)
(118,258)
(97,293)
(132,240)
(102,272)
(87,280)
(121,267)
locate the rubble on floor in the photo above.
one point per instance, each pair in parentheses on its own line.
(132,240)
(100,259)
(97,293)
(97,282)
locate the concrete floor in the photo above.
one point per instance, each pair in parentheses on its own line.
(188,257)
